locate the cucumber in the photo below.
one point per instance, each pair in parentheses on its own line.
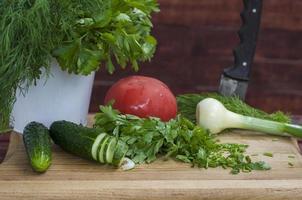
(102,159)
(121,149)
(110,150)
(73,138)
(37,143)
(87,143)
(96,145)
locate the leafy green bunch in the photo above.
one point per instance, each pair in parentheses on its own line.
(79,34)
(179,139)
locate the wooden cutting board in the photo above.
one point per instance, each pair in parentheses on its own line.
(74,178)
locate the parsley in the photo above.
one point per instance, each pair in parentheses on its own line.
(179,139)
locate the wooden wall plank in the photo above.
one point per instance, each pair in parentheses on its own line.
(276,14)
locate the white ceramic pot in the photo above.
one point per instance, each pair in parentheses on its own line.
(62,96)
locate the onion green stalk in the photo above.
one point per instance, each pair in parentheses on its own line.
(211,114)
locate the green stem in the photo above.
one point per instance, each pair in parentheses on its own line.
(272,127)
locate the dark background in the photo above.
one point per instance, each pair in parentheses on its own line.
(196,38)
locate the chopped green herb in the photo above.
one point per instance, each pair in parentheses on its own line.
(255,154)
(268,154)
(179,139)
(291,156)
(290,164)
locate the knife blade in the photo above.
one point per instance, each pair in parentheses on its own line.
(234,80)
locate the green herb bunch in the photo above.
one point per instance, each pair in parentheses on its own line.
(179,139)
(79,34)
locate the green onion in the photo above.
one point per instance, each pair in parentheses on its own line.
(212,115)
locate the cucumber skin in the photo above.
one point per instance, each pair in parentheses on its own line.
(73,138)
(37,143)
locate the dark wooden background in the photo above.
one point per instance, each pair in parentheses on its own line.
(196,38)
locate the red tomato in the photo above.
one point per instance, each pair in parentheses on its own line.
(144,97)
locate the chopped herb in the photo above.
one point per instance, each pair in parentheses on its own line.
(291,156)
(179,139)
(268,154)
(290,164)
(255,154)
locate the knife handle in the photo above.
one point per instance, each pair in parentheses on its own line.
(248,33)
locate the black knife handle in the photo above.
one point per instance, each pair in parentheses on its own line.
(248,34)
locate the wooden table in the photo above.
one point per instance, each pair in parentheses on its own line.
(74,178)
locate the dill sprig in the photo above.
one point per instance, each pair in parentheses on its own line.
(79,34)
(187,107)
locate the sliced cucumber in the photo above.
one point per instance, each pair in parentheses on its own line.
(121,149)
(103,149)
(110,150)
(96,144)
(88,143)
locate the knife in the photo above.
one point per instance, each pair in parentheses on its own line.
(234,80)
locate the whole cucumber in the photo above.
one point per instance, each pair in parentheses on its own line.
(37,143)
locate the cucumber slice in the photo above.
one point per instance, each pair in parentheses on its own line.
(96,145)
(105,149)
(121,149)
(104,144)
(110,150)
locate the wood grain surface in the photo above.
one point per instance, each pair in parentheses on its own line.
(71,177)
(195,43)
